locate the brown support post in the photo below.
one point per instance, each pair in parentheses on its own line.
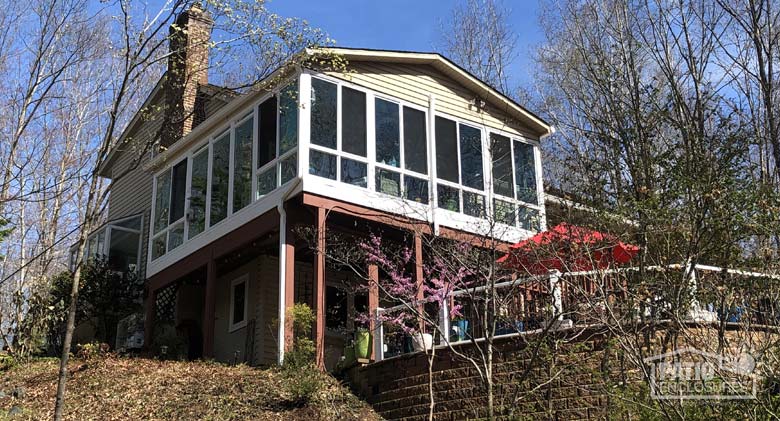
(319,289)
(209,309)
(149,309)
(289,285)
(373,303)
(418,276)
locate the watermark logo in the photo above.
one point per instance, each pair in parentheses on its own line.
(688,373)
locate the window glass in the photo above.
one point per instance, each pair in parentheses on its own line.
(266,139)
(388,150)
(336,313)
(289,168)
(388,182)
(502,165)
(175,236)
(353,121)
(100,251)
(288,118)
(198,188)
(131,223)
(446,150)
(239,303)
(219,179)
(354,172)
(504,212)
(529,218)
(473,204)
(162,201)
(415,145)
(322,164)
(242,165)
(448,197)
(178,191)
(416,189)
(471,157)
(123,250)
(158,246)
(525,173)
(266,181)
(323,113)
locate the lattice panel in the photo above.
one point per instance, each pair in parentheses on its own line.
(166,303)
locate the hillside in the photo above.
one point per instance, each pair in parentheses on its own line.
(113,388)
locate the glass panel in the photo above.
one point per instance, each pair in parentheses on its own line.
(239,297)
(388,182)
(446,150)
(132,223)
(449,198)
(219,179)
(175,236)
(242,165)
(289,168)
(354,172)
(322,164)
(178,191)
(288,118)
(100,251)
(162,201)
(504,212)
(473,204)
(529,218)
(525,173)
(502,165)
(198,189)
(266,181)
(416,189)
(123,251)
(336,311)
(415,145)
(323,113)
(471,157)
(353,121)
(158,246)
(388,149)
(266,139)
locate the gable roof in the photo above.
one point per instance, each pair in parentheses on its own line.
(450,69)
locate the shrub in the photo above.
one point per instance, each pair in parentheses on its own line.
(302,378)
(6,362)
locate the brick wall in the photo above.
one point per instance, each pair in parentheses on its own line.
(581,367)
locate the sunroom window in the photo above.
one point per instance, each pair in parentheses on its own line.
(117,243)
(169,205)
(259,149)
(514,182)
(460,183)
(338,133)
(401,141)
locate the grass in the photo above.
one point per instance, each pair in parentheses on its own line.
(114,388)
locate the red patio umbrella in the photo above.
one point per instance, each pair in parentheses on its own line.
(568,248)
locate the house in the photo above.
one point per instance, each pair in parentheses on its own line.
(207,216)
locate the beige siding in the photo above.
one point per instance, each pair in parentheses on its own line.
(232,346)
(414,83)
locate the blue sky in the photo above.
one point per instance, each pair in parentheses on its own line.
(406,24)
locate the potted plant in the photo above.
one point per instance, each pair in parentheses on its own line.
(362,343)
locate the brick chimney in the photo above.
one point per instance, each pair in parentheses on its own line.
(188,67)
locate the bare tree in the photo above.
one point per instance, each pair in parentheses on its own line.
(478,38)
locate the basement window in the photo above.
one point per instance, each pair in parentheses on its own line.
(239,300)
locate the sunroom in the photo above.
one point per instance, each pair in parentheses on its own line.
(327,136)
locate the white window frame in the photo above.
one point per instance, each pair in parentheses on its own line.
(513,137)
(171,225)
(232,325)
(107,230)
(208,143)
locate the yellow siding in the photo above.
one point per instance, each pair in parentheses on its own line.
(414,83)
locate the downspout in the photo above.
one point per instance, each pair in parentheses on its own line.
(283,266)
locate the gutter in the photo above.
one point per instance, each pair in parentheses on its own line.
(283,265)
